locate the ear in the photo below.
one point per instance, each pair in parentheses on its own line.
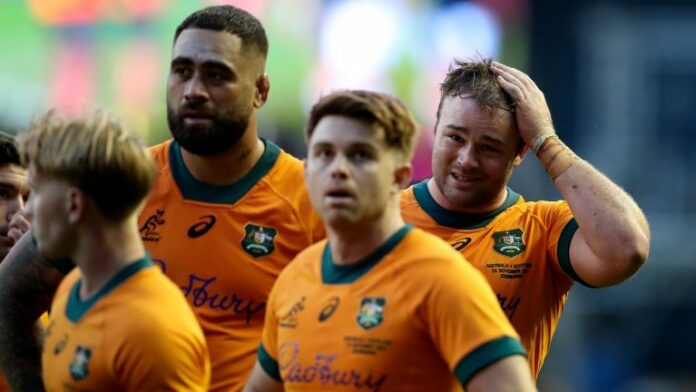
(263,86)
(521,153)
(402,176)
(75,204)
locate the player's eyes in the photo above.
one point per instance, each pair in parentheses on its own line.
(455,138)
(181,72)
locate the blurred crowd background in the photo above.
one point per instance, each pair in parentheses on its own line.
(619,76)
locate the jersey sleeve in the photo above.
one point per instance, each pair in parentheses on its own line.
(466,322)
(561,226)
(268,349)
(152,358)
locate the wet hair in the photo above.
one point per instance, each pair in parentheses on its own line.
(474,79)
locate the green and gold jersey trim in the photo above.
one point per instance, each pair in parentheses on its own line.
(268,364)
(346,274)
(564,251)
(485,355)
(76,308)
(455,219)
(192,189)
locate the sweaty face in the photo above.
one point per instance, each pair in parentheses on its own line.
(211,90)
(350,173)
(474,153)
(14,191)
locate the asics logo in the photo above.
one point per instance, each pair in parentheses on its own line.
(200,228)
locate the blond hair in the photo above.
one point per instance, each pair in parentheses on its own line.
(96,154)
(389,113)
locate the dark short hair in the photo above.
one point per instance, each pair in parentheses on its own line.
(389,113)
(8,150)
(231,19)
(475,80)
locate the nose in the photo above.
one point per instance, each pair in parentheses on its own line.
(13,206)
(467,157)
(339,167)
(195,90)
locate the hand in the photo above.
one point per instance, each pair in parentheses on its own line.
(18,226)
(532,112)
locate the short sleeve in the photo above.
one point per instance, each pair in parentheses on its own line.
(268,350)
(561,227)
(466,322)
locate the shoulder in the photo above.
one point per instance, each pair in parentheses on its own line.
(159,151)
(435,261)
(306,263)
(287,175)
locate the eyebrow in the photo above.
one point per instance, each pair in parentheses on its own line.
(489,138)
(207,63)
(351,146)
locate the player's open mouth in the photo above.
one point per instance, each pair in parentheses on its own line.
(464,179)
(339,196)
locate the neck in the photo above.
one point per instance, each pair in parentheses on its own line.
(104,250)
(230,165)
(482,208)
(353,243)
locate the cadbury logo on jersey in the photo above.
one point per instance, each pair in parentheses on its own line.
(200,228)
(509,243)
(258,240)
(148,232)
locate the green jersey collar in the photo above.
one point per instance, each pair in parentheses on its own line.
(456,219)
(192,189)
(346,274)
(76,307)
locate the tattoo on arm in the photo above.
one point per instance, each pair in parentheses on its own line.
(27,284)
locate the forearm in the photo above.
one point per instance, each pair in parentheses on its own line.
(27,283)
(611,222)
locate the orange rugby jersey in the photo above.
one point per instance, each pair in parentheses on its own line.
(224,246)
(411,316)
(137,333)
(522,248)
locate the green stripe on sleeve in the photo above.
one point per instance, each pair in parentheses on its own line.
(485,355)
(563,251)
(269,365)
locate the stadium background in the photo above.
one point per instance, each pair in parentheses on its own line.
(619,75)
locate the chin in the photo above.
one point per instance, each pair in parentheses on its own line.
(339,221)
